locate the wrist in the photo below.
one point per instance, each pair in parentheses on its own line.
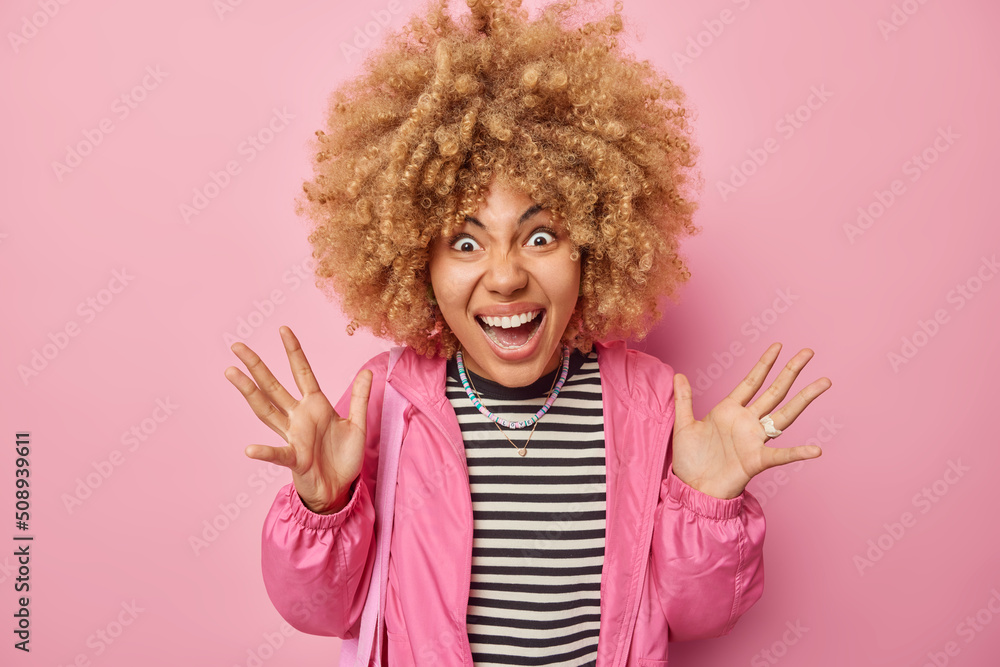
(338,504)
(712,488)
(722,492)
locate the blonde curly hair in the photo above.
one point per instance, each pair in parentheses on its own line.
(563,113)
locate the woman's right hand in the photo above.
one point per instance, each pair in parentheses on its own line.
(324,451)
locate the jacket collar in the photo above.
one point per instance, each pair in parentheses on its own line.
(642,390)
(421,380)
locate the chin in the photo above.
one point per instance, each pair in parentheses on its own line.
(519,373)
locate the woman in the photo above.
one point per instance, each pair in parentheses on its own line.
(505,198)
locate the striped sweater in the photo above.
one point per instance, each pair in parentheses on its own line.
(538,520)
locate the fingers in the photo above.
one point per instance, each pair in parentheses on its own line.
(360,392)
(259,403)
(749,386)
(779,388)
(301,371)
(282,456)
(264,378)
(683,408)
(784,417)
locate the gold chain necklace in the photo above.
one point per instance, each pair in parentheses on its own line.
(523,451)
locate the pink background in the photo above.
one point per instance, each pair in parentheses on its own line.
(160,335)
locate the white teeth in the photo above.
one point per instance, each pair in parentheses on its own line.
(511,321)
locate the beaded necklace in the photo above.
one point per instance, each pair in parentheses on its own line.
(499,420)
(522,450)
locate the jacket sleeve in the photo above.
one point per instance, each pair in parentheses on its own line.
(317,567)
(707,558)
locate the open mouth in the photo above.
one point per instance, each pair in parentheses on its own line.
(513,332)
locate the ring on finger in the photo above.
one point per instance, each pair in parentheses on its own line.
(769,428)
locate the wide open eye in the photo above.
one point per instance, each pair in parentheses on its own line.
(465,244)
(541,237)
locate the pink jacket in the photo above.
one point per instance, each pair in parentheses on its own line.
(678,564)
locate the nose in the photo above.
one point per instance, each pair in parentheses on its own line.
(505,274)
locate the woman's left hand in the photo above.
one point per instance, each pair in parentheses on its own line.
(720,454)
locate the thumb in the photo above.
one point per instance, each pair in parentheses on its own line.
(282,456)
(683,410)
(360,393)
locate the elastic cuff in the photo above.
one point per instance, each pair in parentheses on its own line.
(309,519)
(701,503)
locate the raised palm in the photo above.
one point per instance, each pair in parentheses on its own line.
(324,451)
(720,454)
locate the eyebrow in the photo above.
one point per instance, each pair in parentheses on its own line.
(524,216)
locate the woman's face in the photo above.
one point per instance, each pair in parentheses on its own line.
(507,285)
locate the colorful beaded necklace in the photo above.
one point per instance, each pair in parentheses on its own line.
(499,420)
(522,450)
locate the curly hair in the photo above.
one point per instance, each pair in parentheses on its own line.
(563,113)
